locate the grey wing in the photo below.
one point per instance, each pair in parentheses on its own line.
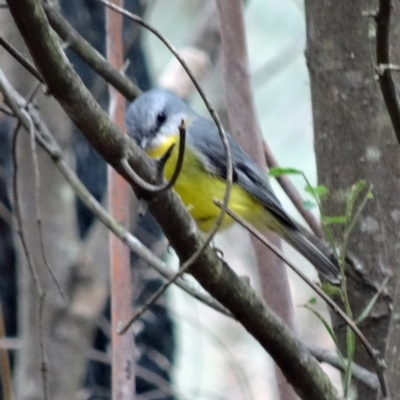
(203,135)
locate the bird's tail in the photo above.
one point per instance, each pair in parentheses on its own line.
(316,257)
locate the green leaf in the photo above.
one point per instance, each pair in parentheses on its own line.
(319,191)
(337,219)
(278,171)
(313,300)
(353,195)
(308,205)
(331,290)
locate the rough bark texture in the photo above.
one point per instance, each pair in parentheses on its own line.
(354,140)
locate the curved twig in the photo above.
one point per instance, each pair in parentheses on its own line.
(154,189)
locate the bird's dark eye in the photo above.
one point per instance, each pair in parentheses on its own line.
(161,118)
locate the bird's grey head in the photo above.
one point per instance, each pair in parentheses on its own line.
(155,115)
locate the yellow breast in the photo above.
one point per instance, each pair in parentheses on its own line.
(198,188)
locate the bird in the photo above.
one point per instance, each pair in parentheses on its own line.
(152,120)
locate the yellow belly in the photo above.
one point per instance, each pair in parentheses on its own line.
(198,188)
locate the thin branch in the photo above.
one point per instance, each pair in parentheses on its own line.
(154,189)
(144,373)
(90,55)
(43,357)
(17,210)
(21,59)
(30,127)
(373,353)
(329,357)
(36,175)
(385,77)
(31,264)
(7,112)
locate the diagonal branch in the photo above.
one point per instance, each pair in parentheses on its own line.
(90,55)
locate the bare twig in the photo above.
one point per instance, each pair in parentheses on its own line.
(373,353)
(163,385)
(36,174)
(385,77)
(43,357)
(154,189)
(7,112)
(21,59)
(91,56)
(30,127)
(32,267)
(17,212)
(331,358)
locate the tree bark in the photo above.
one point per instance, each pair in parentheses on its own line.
(354,140)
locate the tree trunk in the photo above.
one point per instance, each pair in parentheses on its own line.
(354,140)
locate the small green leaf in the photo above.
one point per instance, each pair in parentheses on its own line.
(278,171)
(337,219)
(359,185)
(313,300)
(319,191)
(308,205)
(353,195)
(331,290)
